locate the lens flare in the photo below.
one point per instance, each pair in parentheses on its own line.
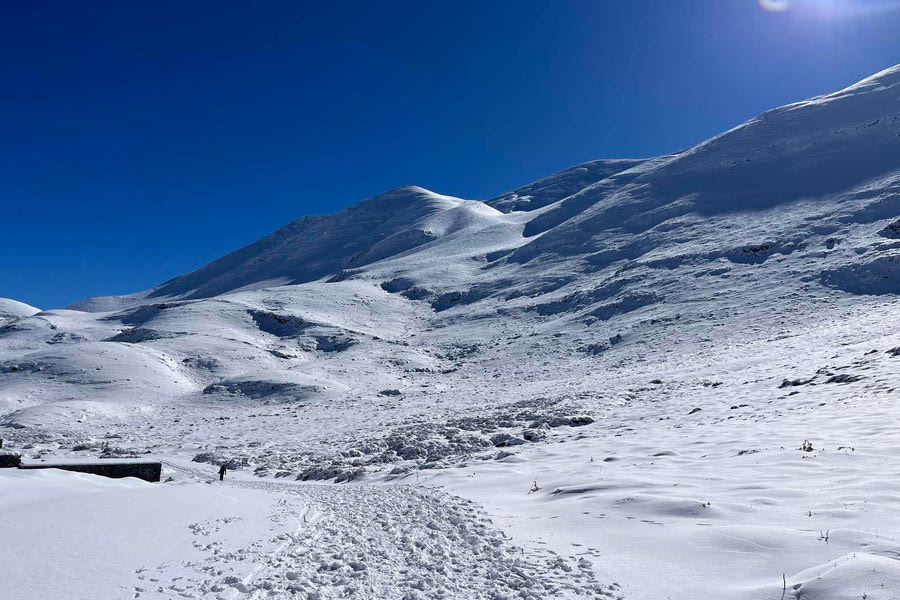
(832,8)
(774,5)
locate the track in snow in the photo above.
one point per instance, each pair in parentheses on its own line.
(397,541)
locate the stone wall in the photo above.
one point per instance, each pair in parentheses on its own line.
(146,470)
(8,458)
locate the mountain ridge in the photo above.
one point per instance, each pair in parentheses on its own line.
(611,253)
(811,148)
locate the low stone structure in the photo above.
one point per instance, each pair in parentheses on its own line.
(148,470)
(8,458)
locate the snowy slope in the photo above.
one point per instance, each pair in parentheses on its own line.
(560,185)
(13,309)
(312,247)
(645,344)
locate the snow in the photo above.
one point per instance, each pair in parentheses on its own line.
(661,378)
(561,185)
(380,227)
(91,537)
(13,309)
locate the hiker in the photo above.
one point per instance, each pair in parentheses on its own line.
(222,470)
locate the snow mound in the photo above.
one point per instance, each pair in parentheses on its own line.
(858,574)
(13,309)
(854,575)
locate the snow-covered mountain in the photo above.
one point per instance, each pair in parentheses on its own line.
(685,321)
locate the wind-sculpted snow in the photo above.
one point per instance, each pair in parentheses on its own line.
(682,365)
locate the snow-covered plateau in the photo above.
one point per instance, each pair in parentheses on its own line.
(664,378)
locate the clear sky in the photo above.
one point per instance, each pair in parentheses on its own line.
(139,140)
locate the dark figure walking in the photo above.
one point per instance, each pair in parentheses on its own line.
(222,471)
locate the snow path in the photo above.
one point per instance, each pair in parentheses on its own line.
(398,541)
(242,538)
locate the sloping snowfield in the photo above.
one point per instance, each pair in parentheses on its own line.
(671,378)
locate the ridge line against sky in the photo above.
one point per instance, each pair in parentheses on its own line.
(144,141)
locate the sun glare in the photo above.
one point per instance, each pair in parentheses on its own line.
(774,5)
(832,8)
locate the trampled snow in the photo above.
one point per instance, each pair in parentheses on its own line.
(671,377)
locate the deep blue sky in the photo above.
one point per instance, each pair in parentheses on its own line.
(139,140)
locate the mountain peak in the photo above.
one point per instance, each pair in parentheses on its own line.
(313,247)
